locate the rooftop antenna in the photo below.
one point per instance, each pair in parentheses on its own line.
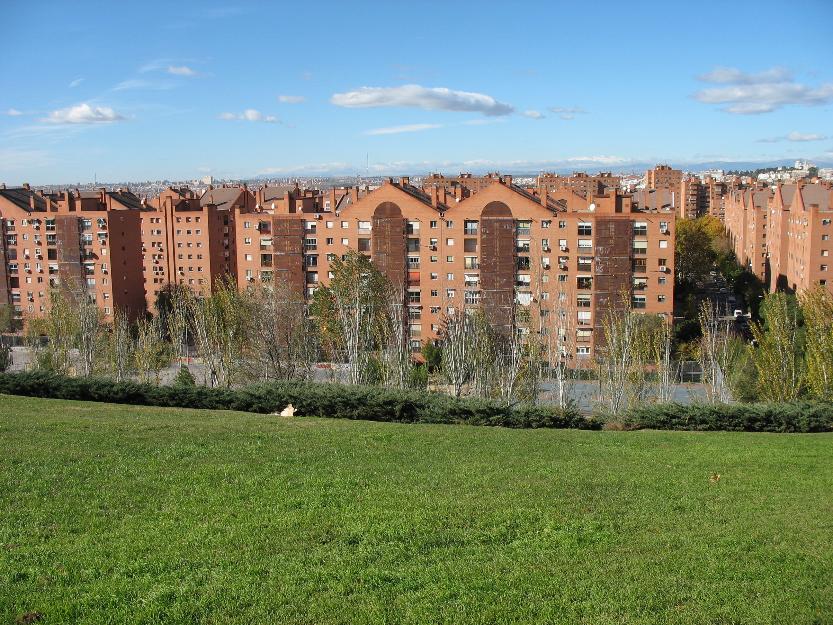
(367,165)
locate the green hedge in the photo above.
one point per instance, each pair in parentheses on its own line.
(309,399)
(797,416)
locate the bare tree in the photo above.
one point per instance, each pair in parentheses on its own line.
(482,350)
(283,344)
(666,370)
(618,357)
(152,352)
(220,331)
(89,328)
(715,353)
(60,327)
(396,353)
(351,310)
(557,328)
(120,348)
(458,355)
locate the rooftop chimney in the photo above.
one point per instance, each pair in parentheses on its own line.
(435,199)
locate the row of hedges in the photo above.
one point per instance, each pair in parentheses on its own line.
(800,416)
(309,399)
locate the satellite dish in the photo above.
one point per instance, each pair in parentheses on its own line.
(592,207)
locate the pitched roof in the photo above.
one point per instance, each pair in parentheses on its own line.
(222,197)
(21,197)
(816,194)
(127,199)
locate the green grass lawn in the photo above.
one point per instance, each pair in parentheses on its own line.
(123,514)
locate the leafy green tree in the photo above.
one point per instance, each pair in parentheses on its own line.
(778,354)
(695,255)
(433,355)
(817,309)
(184,377)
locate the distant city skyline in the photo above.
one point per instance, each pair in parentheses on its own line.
(153,91)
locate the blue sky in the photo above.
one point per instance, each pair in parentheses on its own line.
(149,90)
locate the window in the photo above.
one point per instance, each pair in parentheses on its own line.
(638,301)
(583,300)
(663,226)
(640,247)
(435,293)
(364,225)
(583,350)
(449,224)
(345,225)
(562,224)
(470,227)
(546,223)
(413,227)
(584,317)
(449,259)
(824,252)
(523,227)
(247,241)
(433,224)
(640,228)
(663,244)
(470,245)
(823,268)
(345,241)
(660,298)
(450,293)
(364,245)
(585,229)
(471,262)
(584,282)
(413,262)
(584,244)
(330,240)
(449,242)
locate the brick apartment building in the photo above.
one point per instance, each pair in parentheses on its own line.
(580,183)
(664,177)
(783,233)
(462,241)
(190,240)
(457,247)
(86,240)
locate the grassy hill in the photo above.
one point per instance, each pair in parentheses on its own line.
(127,514)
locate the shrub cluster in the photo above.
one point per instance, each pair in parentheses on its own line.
(798,416)
(308,398)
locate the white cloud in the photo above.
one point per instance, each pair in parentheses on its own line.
(14,113)
(75,83)
(795,136)
(250,115)
(291,99)
(181,70)
(84,114)
(601,160)
(137,83)
(752,94)
(395,130)
(733,76)
(533,114)
(567,112)
(416,96)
